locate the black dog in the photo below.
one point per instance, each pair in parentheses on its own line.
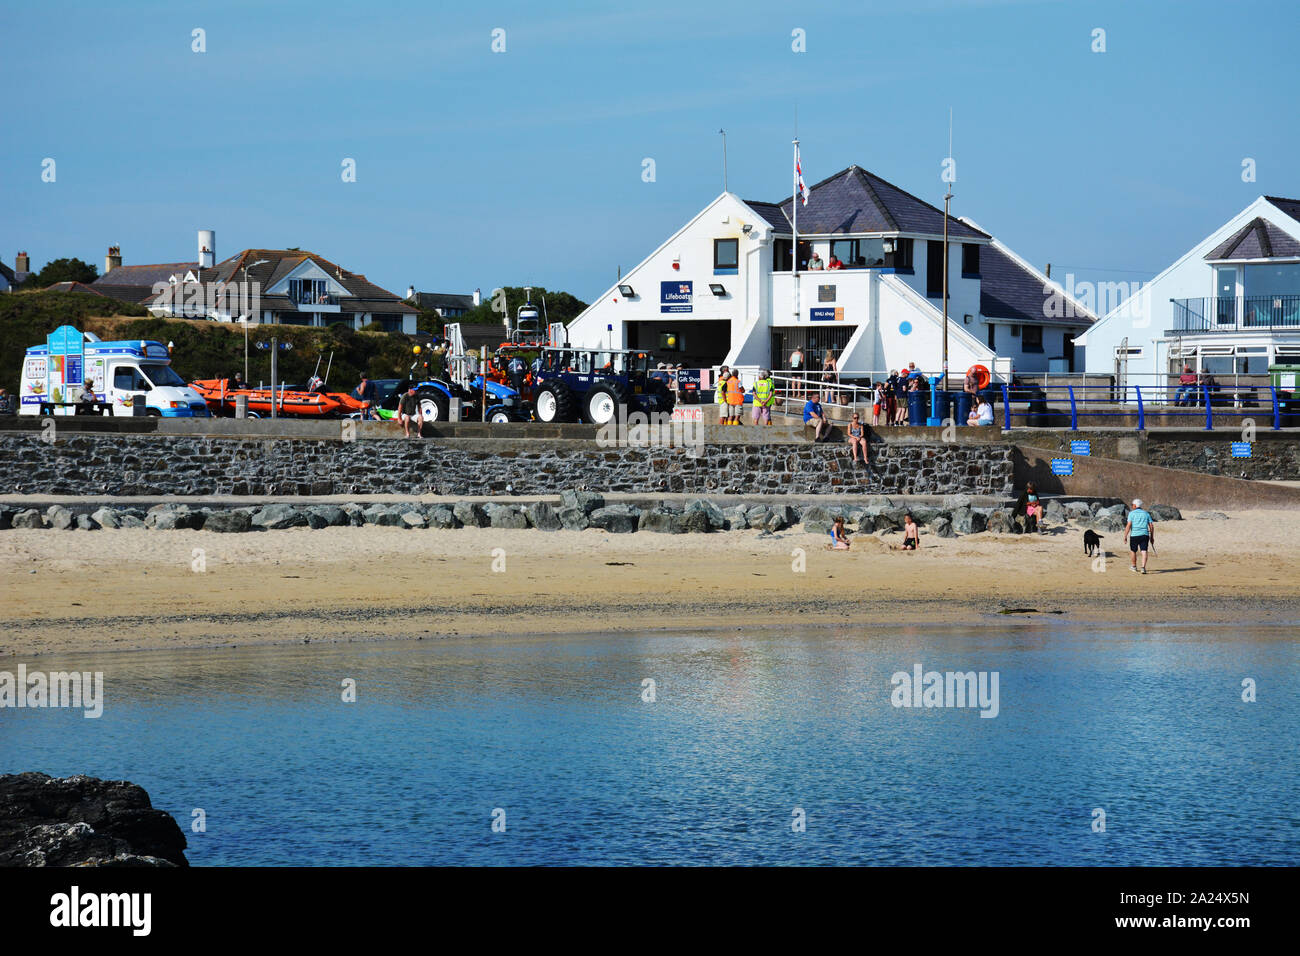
(1091,542)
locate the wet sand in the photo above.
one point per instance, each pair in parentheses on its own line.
(134,589)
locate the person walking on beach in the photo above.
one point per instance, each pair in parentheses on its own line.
(1141,535)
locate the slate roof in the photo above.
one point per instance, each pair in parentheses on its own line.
(444,300)
(856,201)
(1008,290)
(1289,206)
(72,287)
(143,276)
(364,295)
(1258,239)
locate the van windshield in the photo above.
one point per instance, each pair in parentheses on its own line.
(161,375)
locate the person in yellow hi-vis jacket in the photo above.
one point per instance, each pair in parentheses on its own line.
(720,394)
(764,398)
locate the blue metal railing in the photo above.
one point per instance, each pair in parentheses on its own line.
(1039,405)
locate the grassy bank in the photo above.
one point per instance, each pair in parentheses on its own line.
(202,349)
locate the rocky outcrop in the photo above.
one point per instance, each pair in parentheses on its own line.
(84,821)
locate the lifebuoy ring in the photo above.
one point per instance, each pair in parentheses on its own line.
(982,376)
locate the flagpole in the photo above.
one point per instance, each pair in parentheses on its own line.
(794,246)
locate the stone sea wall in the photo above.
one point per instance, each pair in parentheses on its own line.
(83,464)
(1270,459)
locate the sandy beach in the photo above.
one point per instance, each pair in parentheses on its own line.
(135,588)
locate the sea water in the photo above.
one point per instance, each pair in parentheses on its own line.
(1109,746)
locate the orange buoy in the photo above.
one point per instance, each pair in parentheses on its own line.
(982,376)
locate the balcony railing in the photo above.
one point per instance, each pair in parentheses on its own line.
(1235,313)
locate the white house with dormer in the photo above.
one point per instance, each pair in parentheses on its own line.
(868,287)
(1229,306)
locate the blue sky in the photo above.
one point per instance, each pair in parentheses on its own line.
(479,169)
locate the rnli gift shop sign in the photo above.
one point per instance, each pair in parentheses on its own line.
(826,314)
(675,296)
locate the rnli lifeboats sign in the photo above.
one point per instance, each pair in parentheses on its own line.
(675,296)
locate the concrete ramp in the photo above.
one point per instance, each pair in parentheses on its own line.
(1125,480)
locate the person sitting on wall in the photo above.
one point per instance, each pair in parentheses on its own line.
(815,264)
(815,415)
(985,412)
(409,410)
(974,417)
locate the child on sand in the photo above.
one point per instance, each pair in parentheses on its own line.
(911,533)
(839,539)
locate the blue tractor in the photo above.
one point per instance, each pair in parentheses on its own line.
(577,384)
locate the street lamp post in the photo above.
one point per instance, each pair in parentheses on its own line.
(248,314)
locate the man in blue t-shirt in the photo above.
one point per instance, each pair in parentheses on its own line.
(1141,534)
(814,414)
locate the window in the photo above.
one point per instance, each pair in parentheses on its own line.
(992,344)
(1015,331)
(902,255)
(859,253)
(162,375)
(1032,339)
(128,380)
(781,255)
(726,256)
(934,269)
(970,260)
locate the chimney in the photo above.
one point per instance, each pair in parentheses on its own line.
(22,264)
(478,297)
(1049,270)
(410,292)
(113,260)
(207,248)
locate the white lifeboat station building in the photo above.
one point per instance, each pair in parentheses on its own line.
(869,288)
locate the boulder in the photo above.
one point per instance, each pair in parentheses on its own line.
(278,516)
(327,516)
(756,518)
(817,520)
(1111,510)
(28,518)
(356,514)
(616,519)
(84,821)
(441,517)
(87,523)
(693,522)
(883,521)
(229,522)
(1108,521)
(127,519)
(663,521)
(106,518)
(966,521)
(941,527)
(470,514)
(413,519)
(717,520)
(573,519)
(60,518)
(542,516)
(505,516)
(999,522)
(586,501)
(1165,513)
(737,516)
(173,518)
(1077,509)
(1054,512)
(954,502)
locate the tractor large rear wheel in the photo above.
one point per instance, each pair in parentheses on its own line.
(603,401)
(433,403)
(554,402)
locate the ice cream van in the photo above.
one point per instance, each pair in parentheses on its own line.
(54,373)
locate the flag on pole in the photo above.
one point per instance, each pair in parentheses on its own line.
(798,172)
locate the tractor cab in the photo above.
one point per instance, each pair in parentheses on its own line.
(592,384)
